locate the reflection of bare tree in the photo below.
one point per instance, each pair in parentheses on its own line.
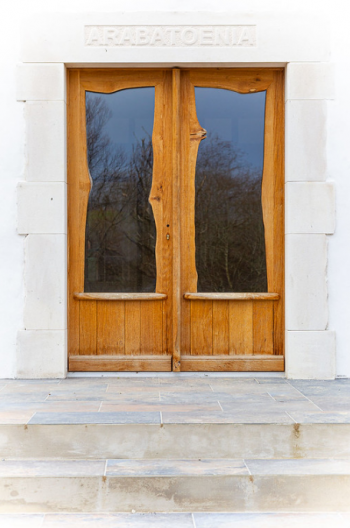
(230,244)
(120,229)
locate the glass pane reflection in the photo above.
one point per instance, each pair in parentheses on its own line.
(120,230)
(230,239)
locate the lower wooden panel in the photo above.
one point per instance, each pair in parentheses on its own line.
(120,363)
(110,327)
(262,363)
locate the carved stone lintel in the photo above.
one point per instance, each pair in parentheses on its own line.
(170,36)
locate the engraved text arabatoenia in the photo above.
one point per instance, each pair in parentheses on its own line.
(170,36)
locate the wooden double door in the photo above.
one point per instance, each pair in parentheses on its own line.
(175,220)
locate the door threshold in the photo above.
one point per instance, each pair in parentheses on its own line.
(176,375)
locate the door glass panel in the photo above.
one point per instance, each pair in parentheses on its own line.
(230,239)
(120,233)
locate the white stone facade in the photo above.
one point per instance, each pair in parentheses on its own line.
(302,38)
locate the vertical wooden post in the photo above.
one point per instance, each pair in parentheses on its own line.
(176,124)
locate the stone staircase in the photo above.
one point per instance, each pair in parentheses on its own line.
(127,462)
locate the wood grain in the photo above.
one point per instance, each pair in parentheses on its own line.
(132,328)
(176,157)
(240,80)
(110,327)
(151,328)
(87,327)
(231,296)
(168,219)
(96,322)
(241,328)
(263,328)
(201,328)
(120,296)
(232,363)
(279,264)
(120,363)
(256,325)
(221,327)
(73,167)
(200,331)
(191,135)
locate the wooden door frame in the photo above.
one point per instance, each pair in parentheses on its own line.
(254,80)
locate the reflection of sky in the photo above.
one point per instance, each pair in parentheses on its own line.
(237,118)
(132,115)
(234,117)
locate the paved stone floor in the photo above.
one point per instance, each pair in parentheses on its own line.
(174,400)
(176,520)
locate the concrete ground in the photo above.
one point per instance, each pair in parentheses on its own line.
(153,400)
(272,452)
(182,520)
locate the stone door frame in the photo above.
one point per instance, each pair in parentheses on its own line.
(51,44)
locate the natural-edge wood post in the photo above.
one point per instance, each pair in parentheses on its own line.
(176,124)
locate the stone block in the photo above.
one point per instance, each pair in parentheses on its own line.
(282,37)
(94,440)
(307,80)
(41,82)
(306,140)
(310,355)
(306,287)
(41,354)
(45,306)
(46,141)
(42,208)
(310,207)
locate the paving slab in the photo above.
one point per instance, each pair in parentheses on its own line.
(136,520)
(96,418)
(158,407)
(185,399)
(32,396)
(176,520)
(52,468)
(54,406)
(268,520)
(23,520)
(269,406)
(188,397)
(15,417)
(299,467)
(156,388)
(240,416)
(148,468)
(92,395)
(320,417)
(175,494)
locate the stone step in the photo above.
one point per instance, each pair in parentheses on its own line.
(177,520)
(177,440)
(210,485)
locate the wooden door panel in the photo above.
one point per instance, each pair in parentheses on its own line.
(133,328)
(263,328)
(119,331)
(201,328)
(241,328)
(110,327)
(221,327)
(240,325)
(87,327)
(151,317)
(176,327)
